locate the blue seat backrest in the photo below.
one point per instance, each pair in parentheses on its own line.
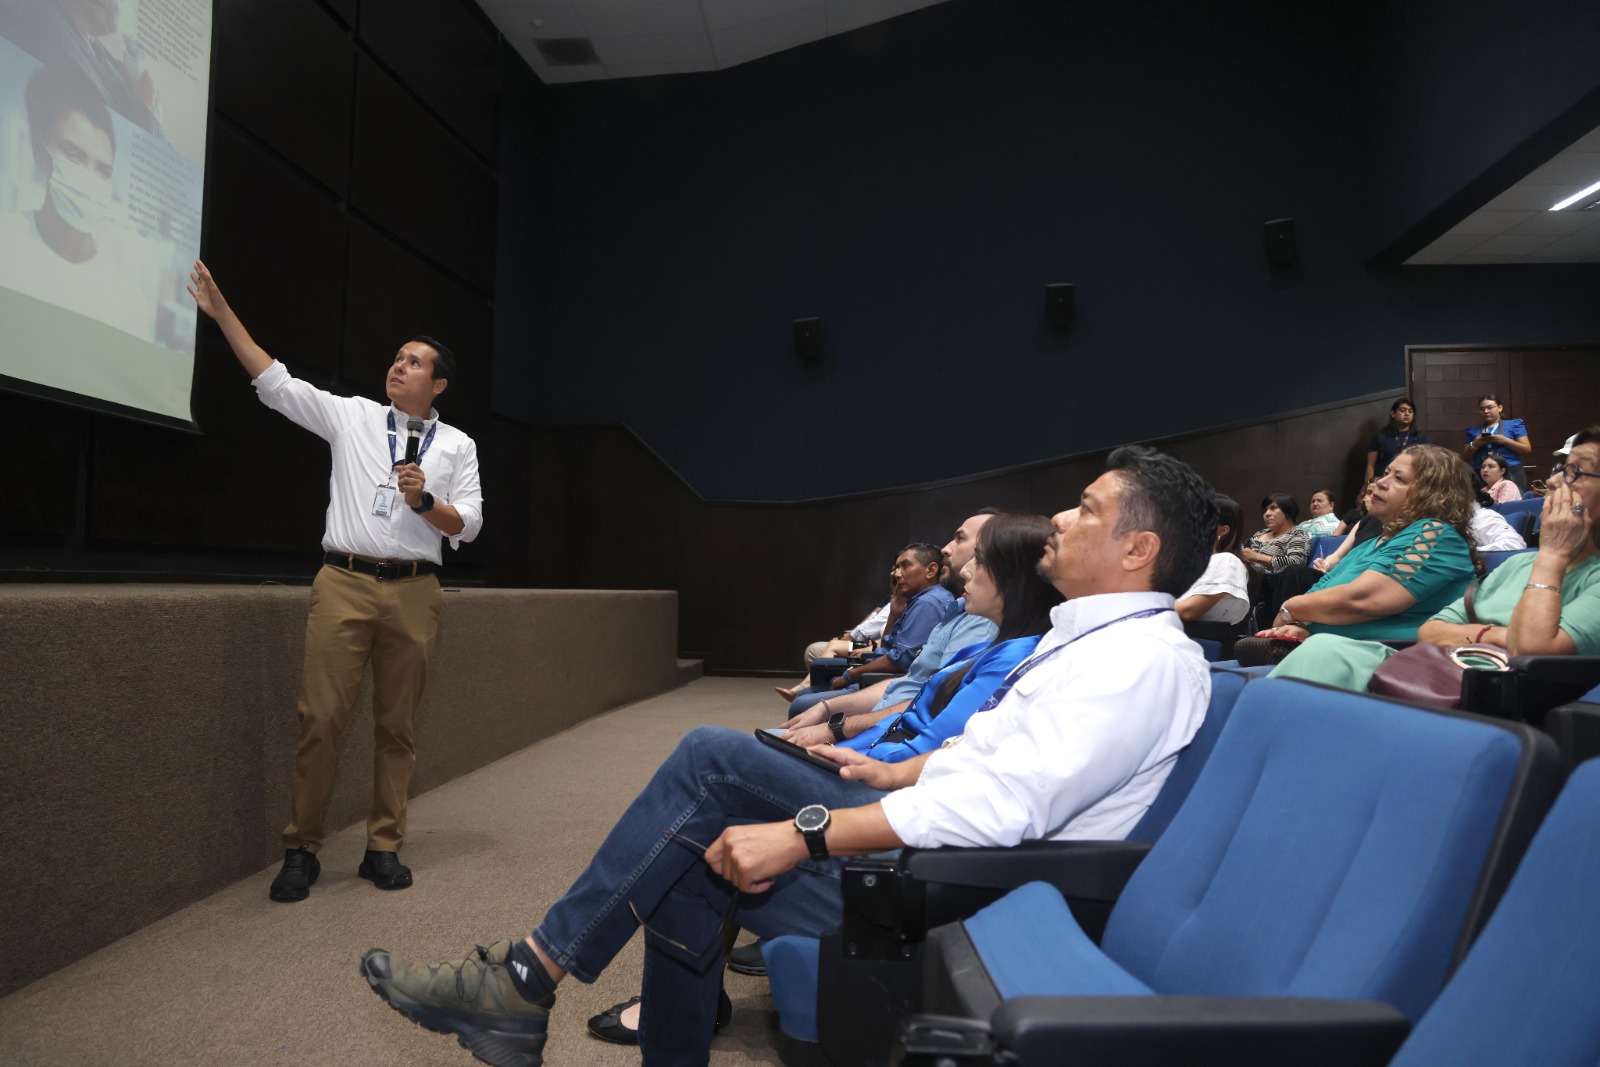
(1511,507)
(1225,689)
(1527,991)
(1324,545)
(1332,846)
(1491,560)
(1521,522)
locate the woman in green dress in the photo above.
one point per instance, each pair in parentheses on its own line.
(1544,603)
(1385,588)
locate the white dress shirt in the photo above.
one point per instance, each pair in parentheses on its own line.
(357,431)
(1079,747)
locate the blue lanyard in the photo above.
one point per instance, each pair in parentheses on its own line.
(426,441)
(1029,664)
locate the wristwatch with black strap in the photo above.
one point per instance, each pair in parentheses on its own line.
(836,724)
(812,822)
(426,505)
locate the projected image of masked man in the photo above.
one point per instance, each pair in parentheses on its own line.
(376,597)
(71,251)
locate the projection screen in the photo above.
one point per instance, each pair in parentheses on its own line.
(102,150)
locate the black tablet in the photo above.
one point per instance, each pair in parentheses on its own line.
(789,748)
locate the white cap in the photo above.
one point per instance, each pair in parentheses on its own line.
(1566,449)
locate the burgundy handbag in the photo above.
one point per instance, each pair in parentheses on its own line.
(1432,674)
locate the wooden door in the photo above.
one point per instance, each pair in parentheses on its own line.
(1554,389)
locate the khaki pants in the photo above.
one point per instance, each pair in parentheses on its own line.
(356,618)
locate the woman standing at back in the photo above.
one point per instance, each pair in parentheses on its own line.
(1399,435)
(1505,439)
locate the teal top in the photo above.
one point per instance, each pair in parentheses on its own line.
(1429,558)
(1498,594)
(1349,664)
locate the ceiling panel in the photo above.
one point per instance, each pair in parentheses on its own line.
(635,38)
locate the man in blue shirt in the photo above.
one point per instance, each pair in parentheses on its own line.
(955,631)
(916,578)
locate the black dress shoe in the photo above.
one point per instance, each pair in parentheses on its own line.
(607,1026)
(747,959)
(296,877)
(384,870)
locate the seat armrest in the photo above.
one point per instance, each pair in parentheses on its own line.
(955,883)
(875,677)
(1096,870)
(1564,670)
(1149,1031)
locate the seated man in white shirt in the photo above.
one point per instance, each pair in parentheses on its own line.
(1080,739)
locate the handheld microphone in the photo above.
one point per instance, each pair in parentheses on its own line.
(413,438)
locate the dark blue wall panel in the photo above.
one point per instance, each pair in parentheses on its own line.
(916,185)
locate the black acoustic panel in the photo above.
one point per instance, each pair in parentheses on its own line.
(41,478)
(414,179)
(1060,303)
(250,480)
(275,244)
(448,54)
(1279,234)
(393,297)
(808,341)
(283,72)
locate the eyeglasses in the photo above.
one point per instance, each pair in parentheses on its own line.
(1570,472)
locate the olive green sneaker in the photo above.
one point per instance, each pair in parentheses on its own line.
(473,998)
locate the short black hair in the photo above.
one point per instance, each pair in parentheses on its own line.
(52,94)
(444,360)
(924,552)
(1164,495)
(1285,502)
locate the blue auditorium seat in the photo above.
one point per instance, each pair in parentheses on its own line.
(793,962)
(1527,991)
(1337,853)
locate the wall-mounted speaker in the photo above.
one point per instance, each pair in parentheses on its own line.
(1059,303)
(808,341)
(1280,243)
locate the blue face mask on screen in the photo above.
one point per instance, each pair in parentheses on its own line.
(82,197)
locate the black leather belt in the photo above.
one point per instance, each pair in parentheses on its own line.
(383,570)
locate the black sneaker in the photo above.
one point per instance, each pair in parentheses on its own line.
(474,999)
(384,870)
(747,959)
(296,877)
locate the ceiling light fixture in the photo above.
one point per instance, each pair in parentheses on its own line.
(1575,197)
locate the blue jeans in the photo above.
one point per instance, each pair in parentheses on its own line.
(651,866)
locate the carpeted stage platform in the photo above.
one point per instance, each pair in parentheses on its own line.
(236,979)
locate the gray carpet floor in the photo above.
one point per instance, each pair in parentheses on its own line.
(238,979)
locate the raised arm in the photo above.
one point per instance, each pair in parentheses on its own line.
(208,298)
(1535,628)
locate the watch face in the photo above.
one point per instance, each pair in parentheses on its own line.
(812,817)
(836,719)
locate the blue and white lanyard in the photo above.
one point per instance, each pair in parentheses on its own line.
(1029,664)
(426,441)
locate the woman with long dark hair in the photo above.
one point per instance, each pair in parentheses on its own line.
(1389,442)
(1222,593)
(1003,586)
